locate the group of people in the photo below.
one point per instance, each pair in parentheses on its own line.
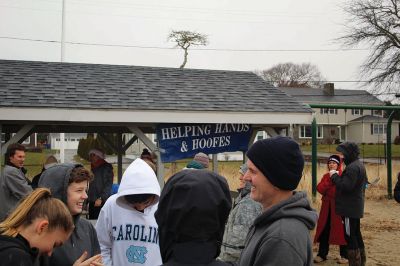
(343,194)
(192,221)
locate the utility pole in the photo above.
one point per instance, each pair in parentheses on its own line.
(62,135)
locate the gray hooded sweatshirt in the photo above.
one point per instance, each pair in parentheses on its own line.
(84,237)
(281,235)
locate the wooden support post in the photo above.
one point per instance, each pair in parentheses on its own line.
(119,153)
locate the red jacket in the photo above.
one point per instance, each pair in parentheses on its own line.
(328,191)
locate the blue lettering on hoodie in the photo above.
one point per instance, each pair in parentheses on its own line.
(140,233)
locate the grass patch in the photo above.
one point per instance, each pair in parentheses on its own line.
(34,161)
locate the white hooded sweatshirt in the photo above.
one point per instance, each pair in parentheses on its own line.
(128,236)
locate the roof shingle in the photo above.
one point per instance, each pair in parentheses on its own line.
(95,86)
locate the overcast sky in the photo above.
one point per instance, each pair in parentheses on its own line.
(243,35)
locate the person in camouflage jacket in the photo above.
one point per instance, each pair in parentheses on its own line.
(242,215)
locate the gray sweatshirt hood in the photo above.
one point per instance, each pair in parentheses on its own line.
(56,178)
(297,207)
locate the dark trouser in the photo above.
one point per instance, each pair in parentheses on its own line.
(355,243)
(354,240)
(324,241)
(94,211)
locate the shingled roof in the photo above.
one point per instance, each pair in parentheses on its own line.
(312,95)
(94,86)
(372,119)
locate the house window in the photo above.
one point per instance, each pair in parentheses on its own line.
(329,111)
(305,132)
(377,129)
(356,111)
(376,112)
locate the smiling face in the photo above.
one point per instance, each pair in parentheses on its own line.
(18,158)
(262,190)
(76,195)
(242,182)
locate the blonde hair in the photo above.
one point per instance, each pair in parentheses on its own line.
(38,204)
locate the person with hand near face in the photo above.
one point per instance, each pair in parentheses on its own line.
(241,217)
(330,228)
(13,183)
(127,229)
(69,183)
(39,224)
(100,186)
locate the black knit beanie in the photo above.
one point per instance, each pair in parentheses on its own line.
(279,159)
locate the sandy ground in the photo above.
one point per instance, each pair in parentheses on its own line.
(381,231)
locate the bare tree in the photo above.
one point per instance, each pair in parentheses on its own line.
(376,23)
(185,39)
(304,75)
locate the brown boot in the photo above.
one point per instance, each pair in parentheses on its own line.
(363,256)
(354,257)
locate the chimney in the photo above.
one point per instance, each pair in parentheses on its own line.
(329,89)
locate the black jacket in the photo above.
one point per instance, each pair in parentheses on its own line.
(193,208)
(101,185)
(397,189)
(16,251)
(350,186)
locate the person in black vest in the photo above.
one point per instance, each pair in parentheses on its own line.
(350,195)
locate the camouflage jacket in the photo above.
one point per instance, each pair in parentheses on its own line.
(242,215)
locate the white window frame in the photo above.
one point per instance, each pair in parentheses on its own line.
(303,132)
(356,111)
(379,128)
(329,111)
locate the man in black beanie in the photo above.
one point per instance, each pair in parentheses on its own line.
(281,234)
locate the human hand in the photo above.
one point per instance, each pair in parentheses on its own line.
(98,202)
(332,172)
(96,260)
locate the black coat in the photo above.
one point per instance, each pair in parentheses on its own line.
(193,208)
(397,189)
(350,186)
(16,251)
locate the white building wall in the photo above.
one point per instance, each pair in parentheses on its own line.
(71,140)
(361,133)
